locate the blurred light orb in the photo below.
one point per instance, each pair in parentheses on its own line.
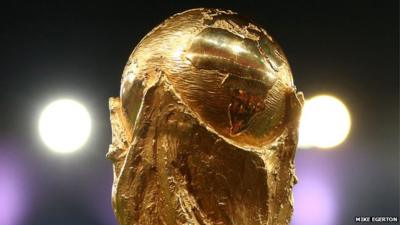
(325,122)
(315,202)
(14,189)
(65,125)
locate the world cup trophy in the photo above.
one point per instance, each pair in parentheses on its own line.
(206,126)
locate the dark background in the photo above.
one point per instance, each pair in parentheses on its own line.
(57,49)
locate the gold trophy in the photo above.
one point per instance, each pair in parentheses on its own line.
(206,126)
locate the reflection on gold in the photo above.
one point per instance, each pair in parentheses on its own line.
(237,49)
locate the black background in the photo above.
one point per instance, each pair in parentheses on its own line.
(55,49)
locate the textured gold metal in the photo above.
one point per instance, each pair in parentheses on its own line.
(205,129)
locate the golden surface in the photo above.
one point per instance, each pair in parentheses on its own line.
(206,128)
(216,61)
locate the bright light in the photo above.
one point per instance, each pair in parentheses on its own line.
(325,122)
(64,125)
(236,48)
